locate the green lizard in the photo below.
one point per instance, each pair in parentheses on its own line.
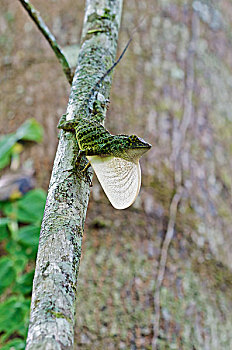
(114,158)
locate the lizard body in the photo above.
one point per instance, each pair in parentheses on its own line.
(94,139)
(114,158)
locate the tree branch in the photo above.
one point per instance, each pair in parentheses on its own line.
(35,15)
(55,283)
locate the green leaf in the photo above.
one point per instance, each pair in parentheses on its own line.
(24,283)
(14,314)
(14,344)
(13,229)
(30,130)
(6,144)
(19,254)
(20,261)
(28,209)
(29,236)
(4,233)
(10,209)
(7,272)
(5,159)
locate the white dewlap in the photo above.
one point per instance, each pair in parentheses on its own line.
(119,178)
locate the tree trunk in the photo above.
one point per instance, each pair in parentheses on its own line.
(161,272)
(55,283)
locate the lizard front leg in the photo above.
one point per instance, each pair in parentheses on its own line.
(67,125)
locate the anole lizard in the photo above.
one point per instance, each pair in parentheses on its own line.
(114,158)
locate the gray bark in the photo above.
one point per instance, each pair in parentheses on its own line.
(55,283)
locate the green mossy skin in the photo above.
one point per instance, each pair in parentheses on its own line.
(93,139)
(101,23)
(60,315)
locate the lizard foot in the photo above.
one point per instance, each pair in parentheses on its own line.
(67,125)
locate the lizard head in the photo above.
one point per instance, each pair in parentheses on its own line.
(137,142)
(134,148)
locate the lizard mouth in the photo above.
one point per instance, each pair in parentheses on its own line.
(144,143)
(134,154)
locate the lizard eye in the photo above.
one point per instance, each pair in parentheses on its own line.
(133,138)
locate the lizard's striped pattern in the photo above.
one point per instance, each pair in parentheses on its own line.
(91,136)
(94,139)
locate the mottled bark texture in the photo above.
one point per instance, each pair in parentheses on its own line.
(55,282)
(172,257)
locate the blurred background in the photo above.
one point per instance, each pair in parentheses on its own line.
(173,88)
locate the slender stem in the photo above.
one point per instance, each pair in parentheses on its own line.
(162,263)
(35,15)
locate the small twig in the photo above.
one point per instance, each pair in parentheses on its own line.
(176,157)
(35,15)
(162,264)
